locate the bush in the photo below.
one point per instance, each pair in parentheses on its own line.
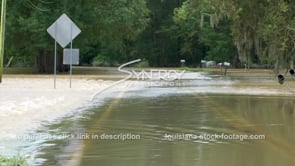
(13,161)
(100,60)
(143,63)
(25,61)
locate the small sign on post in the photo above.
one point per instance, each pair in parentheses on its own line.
(69,59)
(182,61)
(226,64)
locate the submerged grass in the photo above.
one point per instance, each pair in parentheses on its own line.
(13,161)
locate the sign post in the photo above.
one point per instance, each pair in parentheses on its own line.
(2,37)
(71,57)
(54,69)
(64,31)
(71,63)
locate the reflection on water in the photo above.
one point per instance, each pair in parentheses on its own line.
(153,118)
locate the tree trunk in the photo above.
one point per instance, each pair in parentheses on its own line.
(292,62)
(277,66)
(45,64)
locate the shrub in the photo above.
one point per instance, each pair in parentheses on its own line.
(143,63)
(100,60)
(13,161)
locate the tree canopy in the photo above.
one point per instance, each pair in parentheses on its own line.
(105,25)
(160,31)
(262,30)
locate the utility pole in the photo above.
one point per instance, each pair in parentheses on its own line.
(2,36)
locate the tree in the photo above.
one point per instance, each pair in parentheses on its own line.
(277,30)
(219,42)
(160,43)
(262,30)
(105,25)
(202,26)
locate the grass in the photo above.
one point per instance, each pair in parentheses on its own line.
(18,70)
(13,161)
(195,69)
(106,72)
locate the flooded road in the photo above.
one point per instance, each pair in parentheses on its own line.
(201,119)
(179,129)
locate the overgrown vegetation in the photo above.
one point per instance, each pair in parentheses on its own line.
(263,31)
(13,161)
(258,32)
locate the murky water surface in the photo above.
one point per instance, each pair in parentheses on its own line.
(179,129)
(180,123)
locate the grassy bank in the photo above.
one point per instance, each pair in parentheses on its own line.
(13,161)
(113,73)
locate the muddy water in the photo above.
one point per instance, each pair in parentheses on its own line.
(179,130)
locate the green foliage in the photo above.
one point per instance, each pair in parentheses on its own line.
(100,60)
(201,25)
(143,63)
(162,32)
(262,28)
(22,61)
(13,161)
(259,31)
(160,43)
(105,25)
(219,42)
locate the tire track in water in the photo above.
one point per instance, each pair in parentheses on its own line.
(77,156)
(76,159)
(274,142)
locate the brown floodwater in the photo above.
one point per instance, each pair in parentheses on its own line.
(173,129)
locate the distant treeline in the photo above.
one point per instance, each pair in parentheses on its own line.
(162,32)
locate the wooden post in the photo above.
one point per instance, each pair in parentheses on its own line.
(2,36)
(225,70)
(9,62)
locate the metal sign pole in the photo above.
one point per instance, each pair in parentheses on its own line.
(54,65)
(71,62)
(54,70)
(2,34)
(62,37)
